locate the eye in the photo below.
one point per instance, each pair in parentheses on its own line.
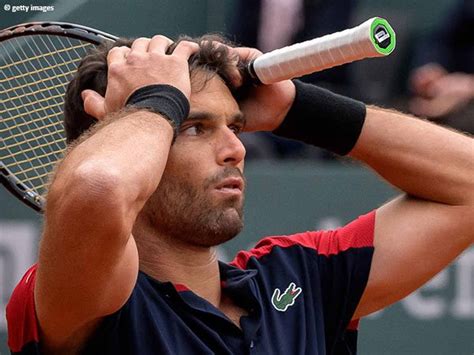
(193,130)
(236,128)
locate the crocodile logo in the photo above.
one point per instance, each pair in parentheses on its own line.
(281,302)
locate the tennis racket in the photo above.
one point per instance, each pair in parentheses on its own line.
(37,61)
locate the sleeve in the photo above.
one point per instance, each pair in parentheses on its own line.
(23,334)
(344,257)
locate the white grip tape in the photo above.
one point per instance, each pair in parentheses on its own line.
(316,54)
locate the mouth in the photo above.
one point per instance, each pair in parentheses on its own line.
(231,186)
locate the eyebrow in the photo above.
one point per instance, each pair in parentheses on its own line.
(237,117)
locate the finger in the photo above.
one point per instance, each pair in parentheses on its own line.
(141,44)
(434,70)
(443,105)
(117,54)
(231,53)
(235,76)
(185,49)
(437,88)
(159,44)
(423,77)
(246,54)
(217,44)
(418,83)
(94,104)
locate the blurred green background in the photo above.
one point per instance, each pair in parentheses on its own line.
(283,197)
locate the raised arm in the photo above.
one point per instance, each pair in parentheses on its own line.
(88,261)
(419,233)
(422,231)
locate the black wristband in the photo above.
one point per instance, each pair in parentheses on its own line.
(163,99)
(323,118)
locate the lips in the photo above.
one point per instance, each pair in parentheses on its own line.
(231,184)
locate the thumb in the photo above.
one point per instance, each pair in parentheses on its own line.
(94,104)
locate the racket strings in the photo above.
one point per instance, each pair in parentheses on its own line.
(24,68)
(20,97)
(59,76)
(31,103)
(47,128)
(42,56)
(34,73)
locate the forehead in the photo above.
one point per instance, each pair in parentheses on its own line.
(213,96)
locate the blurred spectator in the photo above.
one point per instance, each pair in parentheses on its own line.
(272,24)
(442,82)
(438,92)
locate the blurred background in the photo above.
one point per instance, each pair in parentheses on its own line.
(292,187)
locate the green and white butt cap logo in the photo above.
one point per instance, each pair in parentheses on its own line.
(281,302)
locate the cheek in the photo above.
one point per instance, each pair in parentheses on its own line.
(188,166)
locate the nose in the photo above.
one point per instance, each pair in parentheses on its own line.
(230,149)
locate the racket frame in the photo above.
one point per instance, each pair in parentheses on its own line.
(64,29)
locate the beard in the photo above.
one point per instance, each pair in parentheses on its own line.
(186,212)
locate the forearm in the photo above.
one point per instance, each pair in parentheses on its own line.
(435,167)
(422,159)
(126,155)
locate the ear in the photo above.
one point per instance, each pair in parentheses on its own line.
(94,104)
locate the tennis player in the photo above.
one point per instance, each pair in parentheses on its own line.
(127,261)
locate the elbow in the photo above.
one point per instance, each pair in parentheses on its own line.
(88,202)
(88,186)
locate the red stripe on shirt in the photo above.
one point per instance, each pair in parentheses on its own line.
(354,324)
(181,287)
(357,234)
(21,315)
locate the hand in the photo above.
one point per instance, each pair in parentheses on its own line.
(423,77)
(145,63)
(265,106)
(439,92)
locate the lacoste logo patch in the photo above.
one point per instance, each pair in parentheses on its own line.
(281,302)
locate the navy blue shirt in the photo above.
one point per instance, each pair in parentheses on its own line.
(300,293)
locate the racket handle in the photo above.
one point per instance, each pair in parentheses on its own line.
(373,38)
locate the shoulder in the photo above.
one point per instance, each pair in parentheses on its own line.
(354,235)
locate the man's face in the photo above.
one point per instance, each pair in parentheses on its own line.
(200,197)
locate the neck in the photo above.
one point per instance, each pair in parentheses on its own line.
(168,259)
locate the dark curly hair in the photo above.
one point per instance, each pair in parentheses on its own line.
(92,74)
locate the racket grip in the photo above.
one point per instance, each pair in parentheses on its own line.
(373,38)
